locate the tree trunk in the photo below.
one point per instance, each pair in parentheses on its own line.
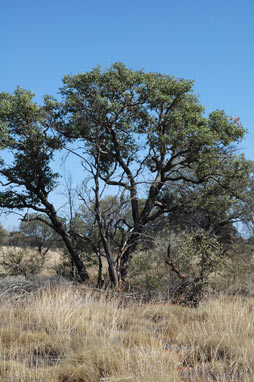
(125,259)
(75,258)
(100,280)
(60,229)
(111,264)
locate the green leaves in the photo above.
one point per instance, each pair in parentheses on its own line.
(155,124)
(28,140)
(144,135)
(160,110)
(228,129)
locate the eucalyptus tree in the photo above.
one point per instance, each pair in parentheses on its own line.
(143,137)
(38,233)
(144,134)
(27,178)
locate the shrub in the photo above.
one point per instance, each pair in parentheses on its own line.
(178,266)
(193,257)
(21,261)
(148,275)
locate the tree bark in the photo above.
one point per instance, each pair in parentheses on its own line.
(59,228)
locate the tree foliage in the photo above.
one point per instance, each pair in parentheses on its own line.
(27,178)
(143,137)
(147,134)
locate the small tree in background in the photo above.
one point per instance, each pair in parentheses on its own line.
(3,235)
(39,234)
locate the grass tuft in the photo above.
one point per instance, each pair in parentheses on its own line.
(61,335)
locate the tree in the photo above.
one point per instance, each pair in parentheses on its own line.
(142,137)
(27,178)
(3,235)
(143,134)
(39,234)
(16,239)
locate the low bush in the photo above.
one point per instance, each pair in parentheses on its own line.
(20,261)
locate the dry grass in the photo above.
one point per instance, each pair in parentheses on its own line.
(70,335)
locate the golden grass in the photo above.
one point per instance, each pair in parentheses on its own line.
(67,335)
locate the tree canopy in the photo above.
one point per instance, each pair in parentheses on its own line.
(28,178)
(143,136)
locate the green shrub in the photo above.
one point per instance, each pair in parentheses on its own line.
(148,274)
(179,265)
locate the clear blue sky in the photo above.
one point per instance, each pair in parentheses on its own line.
(210,41)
